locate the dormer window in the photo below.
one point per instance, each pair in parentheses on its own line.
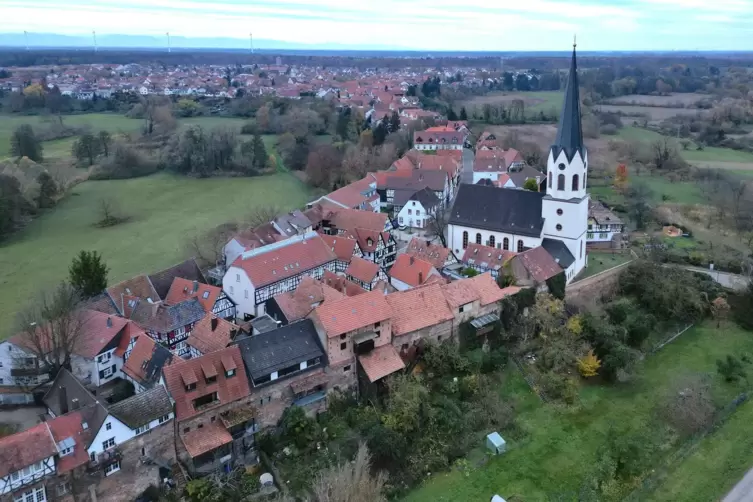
(190,387)
(229,373)
(205,295)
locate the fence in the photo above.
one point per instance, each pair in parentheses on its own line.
(529,379)
(671,339)
(650,483)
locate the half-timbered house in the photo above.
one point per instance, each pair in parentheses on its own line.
(212,298)
(169,325)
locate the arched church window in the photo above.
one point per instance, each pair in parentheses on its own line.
(584,182)
(561,182)
(550,180)
(581,249)
(478,238)
(491,241)
(520,245)
(506,244)
(575,182)
(465,240)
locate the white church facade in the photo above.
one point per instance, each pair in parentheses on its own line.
(516,220)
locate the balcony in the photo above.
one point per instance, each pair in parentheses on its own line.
(106,458)
(216,274)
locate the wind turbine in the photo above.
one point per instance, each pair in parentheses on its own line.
(94,36)
(168,41)
(26,37)
(251,42)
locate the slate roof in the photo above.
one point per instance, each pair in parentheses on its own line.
(189,270)
(426,197)
(66,388)
(570,131)
(507,210)
(269,352)
(163,318)
(25,448)
(142,408)
(559,252)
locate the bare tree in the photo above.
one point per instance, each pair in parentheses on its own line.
(688,406)
(109,213)
(436,224)
(350,481)
(208,247)
(51,327)
(261,215)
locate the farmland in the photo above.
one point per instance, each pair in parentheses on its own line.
(534,101)
(651,113)
(557,447)
(673,100)
(163,210)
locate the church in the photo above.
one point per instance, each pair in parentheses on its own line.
(516,220)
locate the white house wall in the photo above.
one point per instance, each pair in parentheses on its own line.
(7,486)
(120,431)
(455,239)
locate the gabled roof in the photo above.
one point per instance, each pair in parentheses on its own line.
(298,303)
(507,210)
(209,437)
(97,332)
(350,219)
(25,448)
(436,254)
(411,270)
(227,389)
(211,334)
(488,289)
(146,361)
(188,270)
(285,259)
(426,197)
(486,257)
(183,289)
(419,308)
(381,362)
(340,284)
(138,287)
(163,318)
(352,313)
(363,270)
(284,347)
(142,408)
(342,246)
(538,264)
(68,428)
(461,292)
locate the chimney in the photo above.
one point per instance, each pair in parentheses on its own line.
(420,278)
(214,323)
(75,404)
(63,400)
(195,286)
(109,322)
(412,259)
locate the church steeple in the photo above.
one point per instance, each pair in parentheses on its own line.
(570,133)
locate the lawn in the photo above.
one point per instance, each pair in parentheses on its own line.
(558,447)
(719,461)
(164,210)
(599,262)
(96,122)
(535,101)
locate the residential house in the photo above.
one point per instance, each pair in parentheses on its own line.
(534,267)
(439,140)
(285,368)
(436,254)
(144,363)
(485,258)
(295,305)
(411,272)
(605,229)
(169,325)
(344,248)
(341,284)
(396,190)
(504,168)
(27,465)
(419,314)
(359,195)
(364,273)
(188,270)
(127,294)
(210,335)
(292,223)
(351,328)
(260,274)
(94,361)
(215,418)
(21,372)
(371,231)
(476,300)
(212,298)
(418,210)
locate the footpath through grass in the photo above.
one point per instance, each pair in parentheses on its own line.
(599,262)
(164,211)
(558,447)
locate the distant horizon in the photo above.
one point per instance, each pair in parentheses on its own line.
(418,25)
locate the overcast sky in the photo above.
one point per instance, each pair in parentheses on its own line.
(497,25)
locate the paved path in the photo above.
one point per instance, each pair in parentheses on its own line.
(743,491)
(730,281)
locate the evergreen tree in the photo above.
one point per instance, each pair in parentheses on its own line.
(380,132)
(47,190)
(88,273)
(105,140)
(394,122)
(451,115)
(260,152)
(463,114)
(24,143)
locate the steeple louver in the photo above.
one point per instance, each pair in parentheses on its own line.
(570,131)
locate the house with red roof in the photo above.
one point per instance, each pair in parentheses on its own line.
(365,273)
(295,305)
(486,258)
(419,314)
(411,272)
(27,465)
(260,274)
(371,231)
(439,139)
(212,298)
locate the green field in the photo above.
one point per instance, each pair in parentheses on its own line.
(111,122)
(164,211)
(599,262)
(535,101)
(558,447)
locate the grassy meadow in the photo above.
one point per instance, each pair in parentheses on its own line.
(557,446)
(164,211)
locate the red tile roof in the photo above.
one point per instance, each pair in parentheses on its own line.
(410,270)
(343,247)
(459,293)
(25,448)
(183,289)
(69,426)
(139,287)
(436,254)
(539,264)
(486,256)
(380,362)
(142,352)
(211,334)
(299,303)
(96,332)
(286,261)
(352,313)
(350,219)
(131,331)
(227,389)
(417,309)
(341,285)
(363,270)
(210,437)
(488,290)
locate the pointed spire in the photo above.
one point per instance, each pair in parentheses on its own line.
(570,131)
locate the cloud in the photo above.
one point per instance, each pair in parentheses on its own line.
(423,24)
